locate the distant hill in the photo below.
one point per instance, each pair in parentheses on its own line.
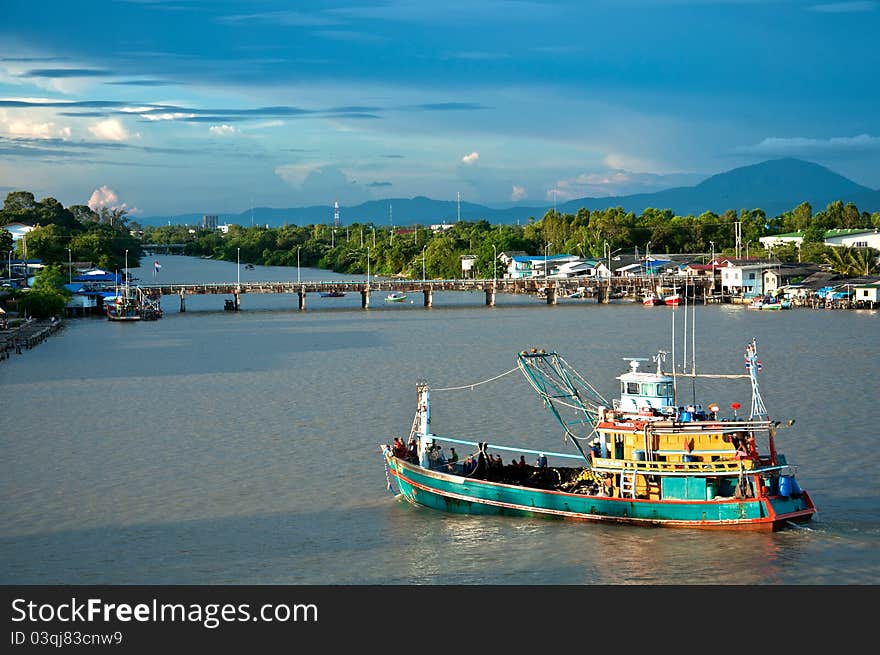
(775,186)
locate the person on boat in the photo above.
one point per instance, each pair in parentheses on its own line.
(522,461)
(453,456)
(399,448)
(412,451)
(541,462)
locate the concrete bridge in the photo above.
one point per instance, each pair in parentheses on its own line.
(603,289)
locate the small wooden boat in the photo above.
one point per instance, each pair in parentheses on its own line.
(332,294)
(644,460)
(395,296)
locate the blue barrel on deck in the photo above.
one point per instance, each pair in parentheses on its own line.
(785,485)
(685,417)
(639,455)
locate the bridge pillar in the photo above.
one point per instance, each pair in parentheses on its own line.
(551,296)
(490,297)
(302,299)
(603,292)
(182,301)
(429,296)
(365,299)
(237,297)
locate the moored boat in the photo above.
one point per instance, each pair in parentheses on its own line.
(642,459)
(395,296)
(332,294)
(122,308)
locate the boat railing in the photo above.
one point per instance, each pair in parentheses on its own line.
(671,468)
(719,427)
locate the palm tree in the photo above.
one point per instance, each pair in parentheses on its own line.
(852,262)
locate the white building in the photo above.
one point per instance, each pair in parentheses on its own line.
(739,278)
(853,238)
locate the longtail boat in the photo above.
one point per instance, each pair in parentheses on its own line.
(643,458)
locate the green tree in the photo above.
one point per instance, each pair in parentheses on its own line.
(47,297)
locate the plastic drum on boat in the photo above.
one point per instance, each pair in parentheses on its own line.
(786,486)
(639,455)
(710,490)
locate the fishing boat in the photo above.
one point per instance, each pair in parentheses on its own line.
(395,296)
(332,294)
(641,459)
(124,306)
(650,299)
(672,299)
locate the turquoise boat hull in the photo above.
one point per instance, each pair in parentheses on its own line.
(453,493)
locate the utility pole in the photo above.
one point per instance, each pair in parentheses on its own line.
(738,232)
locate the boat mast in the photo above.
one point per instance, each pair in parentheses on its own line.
(753,364)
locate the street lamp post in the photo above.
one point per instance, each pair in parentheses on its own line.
(69,267)
(546,252)
(126,269)
(297,263)
(368,267)
(374,235)
(494,264)
(747,249)
(424,276)
(238,268)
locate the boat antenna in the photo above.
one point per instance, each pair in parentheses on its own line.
(674,383)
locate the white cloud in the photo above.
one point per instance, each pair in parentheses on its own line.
(321,183)
(845,7)
(471,158)
(37,130)
(807,147)
(106,197)
(110,130)
(222,130)
(518,192)
(167,116)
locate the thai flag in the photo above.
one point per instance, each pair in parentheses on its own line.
(758,363)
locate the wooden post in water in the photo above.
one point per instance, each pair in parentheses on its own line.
(551,295)
(365,298)
(302,298)
(429,296)
(490,297)
(182,302)
(237,297)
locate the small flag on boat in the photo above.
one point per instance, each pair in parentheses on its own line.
(757,363)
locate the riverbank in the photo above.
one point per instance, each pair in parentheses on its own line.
(23,334)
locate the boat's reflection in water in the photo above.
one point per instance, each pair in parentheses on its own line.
(462,549)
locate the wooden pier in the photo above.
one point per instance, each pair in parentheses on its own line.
(550,290)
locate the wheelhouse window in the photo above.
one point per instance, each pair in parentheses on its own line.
(632,388)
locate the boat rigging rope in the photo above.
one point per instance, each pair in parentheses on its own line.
(476,384)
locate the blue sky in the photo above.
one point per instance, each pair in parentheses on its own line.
(182,106)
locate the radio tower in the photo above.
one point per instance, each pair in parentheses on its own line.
(335,213)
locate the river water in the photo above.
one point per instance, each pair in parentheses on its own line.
(215,447)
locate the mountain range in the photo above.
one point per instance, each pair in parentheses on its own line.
(776,186)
